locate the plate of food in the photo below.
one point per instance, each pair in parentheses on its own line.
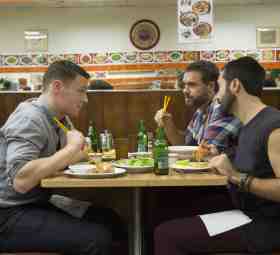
(83,166)
(187,166)
(136,165)
(203,29)
(201,7)
(90,171)
(189,19)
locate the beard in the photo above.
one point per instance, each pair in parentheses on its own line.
(227,102)
(196,102)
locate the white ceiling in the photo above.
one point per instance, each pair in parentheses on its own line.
(121,3)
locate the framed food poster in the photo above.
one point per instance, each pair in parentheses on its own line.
(268,37)
(144,34)
(195,20)
(36,40)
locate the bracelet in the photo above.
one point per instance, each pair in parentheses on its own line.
(243,180)
(248,182)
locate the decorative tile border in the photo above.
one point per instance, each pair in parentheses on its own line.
(109,58)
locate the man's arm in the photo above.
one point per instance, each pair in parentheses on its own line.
(165,120)
(174,135)
(35,170)
(265,188)
(270,188)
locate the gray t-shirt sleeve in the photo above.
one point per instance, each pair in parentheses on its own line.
(25,139)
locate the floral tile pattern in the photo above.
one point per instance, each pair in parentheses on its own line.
(85,59)
(40,59)
(134,57)
(25,60)
(146,57)
(209,55)
(191,56)
(236,54)
(268,55)
(175,56)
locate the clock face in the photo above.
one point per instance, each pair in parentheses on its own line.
(144,34)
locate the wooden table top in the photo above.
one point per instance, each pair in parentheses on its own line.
(137,180)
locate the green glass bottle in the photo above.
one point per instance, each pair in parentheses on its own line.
(93,136)
(142,138)
(160,153)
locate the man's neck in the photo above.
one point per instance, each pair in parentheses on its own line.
(246,112)
(203,108)
(51,105)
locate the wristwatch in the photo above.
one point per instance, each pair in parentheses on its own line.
(243,180)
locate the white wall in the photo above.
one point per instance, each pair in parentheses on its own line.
(97,29)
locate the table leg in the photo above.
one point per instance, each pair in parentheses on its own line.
(137,230)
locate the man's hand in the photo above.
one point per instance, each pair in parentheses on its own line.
(223,166)
(211,148)
(162,118)
(75,140)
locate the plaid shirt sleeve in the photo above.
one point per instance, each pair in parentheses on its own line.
(222,130)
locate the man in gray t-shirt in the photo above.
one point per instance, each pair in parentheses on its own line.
(32,147)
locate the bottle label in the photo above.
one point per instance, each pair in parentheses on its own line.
(141,147)
(163,162)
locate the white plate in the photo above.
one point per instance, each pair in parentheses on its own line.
(85,174)
(189,169)
(134,169)
(82,167)
(182,149)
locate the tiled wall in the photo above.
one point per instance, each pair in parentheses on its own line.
(264,55)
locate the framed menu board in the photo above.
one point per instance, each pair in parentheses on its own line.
(195,20)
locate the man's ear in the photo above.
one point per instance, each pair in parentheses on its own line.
(211,85)
(56,86)
(235,86)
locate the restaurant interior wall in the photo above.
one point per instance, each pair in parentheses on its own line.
(107,29)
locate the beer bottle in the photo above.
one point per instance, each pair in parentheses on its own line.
(92,134)
(160,153)
(142,138)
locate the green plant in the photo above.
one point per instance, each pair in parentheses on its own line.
(5,84)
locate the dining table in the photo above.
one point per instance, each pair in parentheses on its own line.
(137,181)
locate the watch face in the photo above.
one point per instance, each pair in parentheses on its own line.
(144,34)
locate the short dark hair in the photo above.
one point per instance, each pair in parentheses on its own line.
(180,79)
(249,72)
(99,84)
(63,70)
(208,70)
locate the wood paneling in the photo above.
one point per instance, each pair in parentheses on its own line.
(120,111)
(117,111)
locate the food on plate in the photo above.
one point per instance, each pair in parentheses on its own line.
(188,19)
(137,162)
(202,152)
(203,29)
(201,7)
(104,167)
(183,162)
(190,164)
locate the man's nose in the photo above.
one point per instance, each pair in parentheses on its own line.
(186,90)
(85,99)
